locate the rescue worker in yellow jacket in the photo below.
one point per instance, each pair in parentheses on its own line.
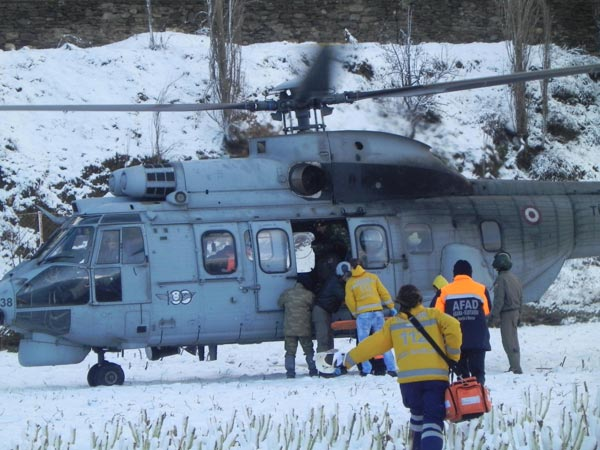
(422,373)
(365,296)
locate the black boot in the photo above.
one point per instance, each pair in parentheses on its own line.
(290,366)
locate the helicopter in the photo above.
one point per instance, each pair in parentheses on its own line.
(194,254)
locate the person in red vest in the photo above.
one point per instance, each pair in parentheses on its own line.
(469,302)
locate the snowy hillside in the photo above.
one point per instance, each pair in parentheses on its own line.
(50,158)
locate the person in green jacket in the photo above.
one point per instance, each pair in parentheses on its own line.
(297,303)
(506,310)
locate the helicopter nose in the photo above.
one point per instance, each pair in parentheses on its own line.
(7,303)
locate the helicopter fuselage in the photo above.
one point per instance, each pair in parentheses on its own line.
(197,253)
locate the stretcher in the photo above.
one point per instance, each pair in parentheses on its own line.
(345,325)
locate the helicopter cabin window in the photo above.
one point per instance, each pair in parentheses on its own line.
(249,248)
(56,286)
(418,238)
(74,246)
(274,250)
(372,246)
(220,257)
(491,237)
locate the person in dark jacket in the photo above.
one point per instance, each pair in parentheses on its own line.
(328,301)
(506,311)
(297,304)
(469,302)
(329,249)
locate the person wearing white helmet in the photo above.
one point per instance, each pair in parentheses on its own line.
(344,270)
(328,300)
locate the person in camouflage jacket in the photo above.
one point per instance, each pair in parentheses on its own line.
(297,303)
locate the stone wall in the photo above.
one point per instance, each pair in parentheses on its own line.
(49,23)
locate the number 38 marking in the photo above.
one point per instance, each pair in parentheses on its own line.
(6,301)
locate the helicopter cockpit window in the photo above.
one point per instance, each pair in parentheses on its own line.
(74,246)
(61,232)
(372,246)
(418,238)
(109,252)
(220,257)
(491,237)
(274,251)
(133,246)
(121,218)
(86,220)
(107,284)
(56,286)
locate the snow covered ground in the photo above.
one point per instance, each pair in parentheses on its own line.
(230,399)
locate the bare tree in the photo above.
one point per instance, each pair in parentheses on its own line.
(159,151)
(546,63)
(225,19)
(16,243)
(153,45)
(520,20)
(410,66)
(150,28)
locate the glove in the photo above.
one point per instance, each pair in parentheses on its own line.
(493,322)
(393,312)
(338,363)
(331,362)
(338,359)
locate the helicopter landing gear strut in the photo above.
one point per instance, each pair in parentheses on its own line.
(105,373)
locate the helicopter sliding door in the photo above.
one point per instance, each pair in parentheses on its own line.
(274,263)
(372,243)
(224,299)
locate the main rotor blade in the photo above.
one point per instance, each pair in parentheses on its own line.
(159,107)
(474,83)
(317,81)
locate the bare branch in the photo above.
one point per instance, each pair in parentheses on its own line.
(225,19)
(409,66)
(521,18)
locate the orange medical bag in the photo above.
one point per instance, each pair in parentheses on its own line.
(466,399)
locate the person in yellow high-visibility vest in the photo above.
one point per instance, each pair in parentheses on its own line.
(365,297)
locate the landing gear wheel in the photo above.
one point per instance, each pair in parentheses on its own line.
(91,376)
(109,374)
